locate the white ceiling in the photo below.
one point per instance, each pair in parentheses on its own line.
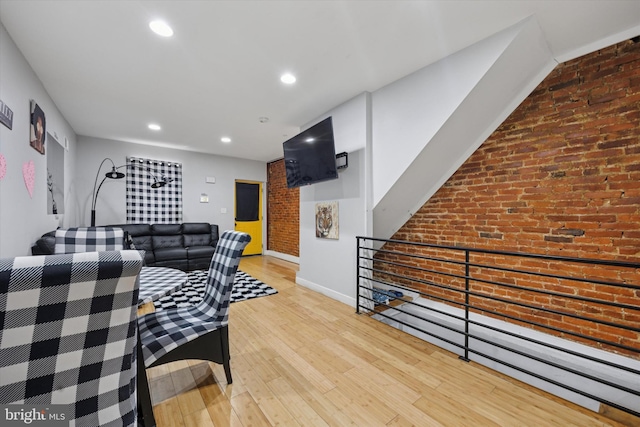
(110,76)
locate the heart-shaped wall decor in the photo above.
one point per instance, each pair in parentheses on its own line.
(29,174)
(3,166)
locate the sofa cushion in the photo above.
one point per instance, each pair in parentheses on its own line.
(194,252)
(166,229)
(197,240)
(196,228)
(167,254)
(169,241)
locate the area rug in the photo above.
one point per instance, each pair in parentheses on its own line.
(244,287)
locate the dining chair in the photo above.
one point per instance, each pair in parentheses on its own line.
(197,332)
(88,239)
(68,335)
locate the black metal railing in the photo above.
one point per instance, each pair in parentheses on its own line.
(540,315)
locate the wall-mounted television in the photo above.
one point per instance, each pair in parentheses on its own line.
(310,156)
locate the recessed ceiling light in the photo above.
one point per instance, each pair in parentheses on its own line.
(161,28)
(154,126)
(225,139)
(309,140)
(288,78)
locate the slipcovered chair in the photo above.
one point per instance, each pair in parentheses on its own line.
(88,239)
(198,332)
(68,335)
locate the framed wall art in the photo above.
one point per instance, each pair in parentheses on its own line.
(38,128)
(327,220)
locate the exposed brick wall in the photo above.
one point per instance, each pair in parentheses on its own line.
(560,176)
(283,208)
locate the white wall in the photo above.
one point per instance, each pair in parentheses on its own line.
(111,207)
(329,266)
(426,125)
(23,219)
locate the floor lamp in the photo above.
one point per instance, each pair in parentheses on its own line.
(114,173)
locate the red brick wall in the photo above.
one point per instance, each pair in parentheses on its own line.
(283,211)
(560,176)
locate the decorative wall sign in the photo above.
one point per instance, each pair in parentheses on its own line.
(29,175)
(6,115)
(38,128)
(3,166)
(327,224)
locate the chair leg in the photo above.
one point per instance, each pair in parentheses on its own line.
(145,409)
(224,345)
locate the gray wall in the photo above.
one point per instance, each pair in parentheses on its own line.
(110,206)
(23,219)
(329,266)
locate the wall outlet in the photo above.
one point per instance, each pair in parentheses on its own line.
(204,198)
(210,180)
(223,210)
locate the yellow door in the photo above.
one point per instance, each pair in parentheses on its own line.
(248,214)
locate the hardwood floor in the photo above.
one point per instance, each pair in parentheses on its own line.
(302,359)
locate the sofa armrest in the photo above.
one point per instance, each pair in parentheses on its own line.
(45,245)
(214,235)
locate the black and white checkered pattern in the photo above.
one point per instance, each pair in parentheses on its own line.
(156,282)
(166,330)
(244,287)
(88,239)
(146,205)
(68,335)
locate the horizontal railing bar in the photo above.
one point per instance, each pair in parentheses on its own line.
(420,329)
(520,276)
(508,285)
(523,337)
(493,298)
(507,316)
(558,294)
(554,382)
(521,353)
(496,268)
(506,253)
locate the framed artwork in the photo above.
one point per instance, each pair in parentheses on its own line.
(327,220)
(55,176)
(38,128)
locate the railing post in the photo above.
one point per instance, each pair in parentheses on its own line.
(465,357)
(357,275)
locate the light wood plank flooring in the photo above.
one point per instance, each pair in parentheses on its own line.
(302,359)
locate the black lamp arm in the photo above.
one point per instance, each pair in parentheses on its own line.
(147,169)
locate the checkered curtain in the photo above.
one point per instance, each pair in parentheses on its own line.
(149,205)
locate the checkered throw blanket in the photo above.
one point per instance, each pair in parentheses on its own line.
(244,287)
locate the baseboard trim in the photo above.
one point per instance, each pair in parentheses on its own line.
(285,257)
(326,291)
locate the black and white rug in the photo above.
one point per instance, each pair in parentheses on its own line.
(244,287)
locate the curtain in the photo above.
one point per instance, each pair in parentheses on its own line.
(149,205)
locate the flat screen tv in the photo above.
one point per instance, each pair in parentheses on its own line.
(310,156)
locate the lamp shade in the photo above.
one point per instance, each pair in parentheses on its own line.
(114,174)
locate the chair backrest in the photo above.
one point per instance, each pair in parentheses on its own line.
(68,334)
(88,239)
(222,271)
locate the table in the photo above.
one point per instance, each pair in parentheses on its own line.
(156,282)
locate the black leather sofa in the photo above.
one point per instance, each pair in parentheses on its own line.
(187,246)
